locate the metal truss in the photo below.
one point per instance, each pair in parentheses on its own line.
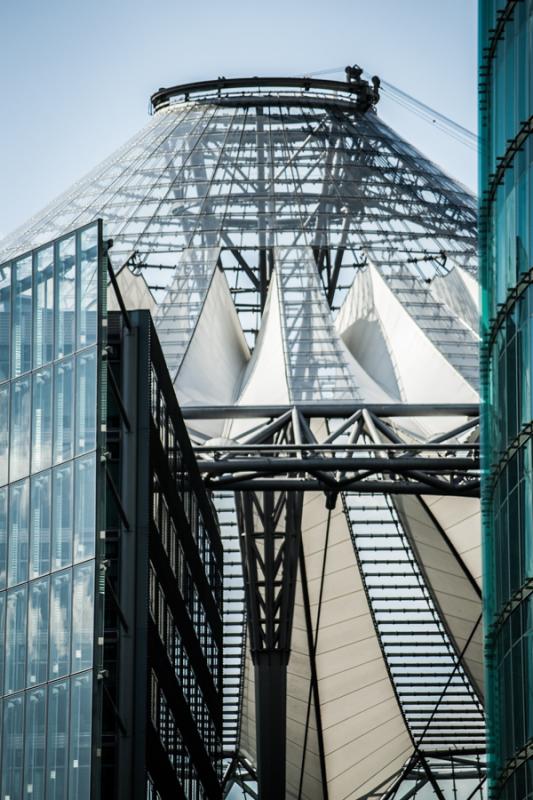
(380,450)
(270,524)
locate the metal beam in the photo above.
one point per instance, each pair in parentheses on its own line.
(333,410)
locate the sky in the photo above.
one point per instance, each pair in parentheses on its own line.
(76,75)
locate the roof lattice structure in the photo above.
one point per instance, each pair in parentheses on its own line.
(301,254)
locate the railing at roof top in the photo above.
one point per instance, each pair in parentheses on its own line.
(360,94)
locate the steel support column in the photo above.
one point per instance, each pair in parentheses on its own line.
(270,527)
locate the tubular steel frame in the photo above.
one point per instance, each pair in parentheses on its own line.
(368,451)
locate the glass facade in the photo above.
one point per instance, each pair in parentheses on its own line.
(50,317)
(506,227)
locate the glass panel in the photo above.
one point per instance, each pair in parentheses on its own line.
(17,562)
(4,433)
(85,508)
(22,310)
(65,297)
(43,308)
(62,511)
(60,621)
(3,537)
(35,745)
(13,748)
(38,632)
(64,411)
(86,402)
(41,431)
(80,736)
(83,617)
(5,321)
(2,631)
(57,740)
(15,668)
(40,510)
(88,282)
(19,456)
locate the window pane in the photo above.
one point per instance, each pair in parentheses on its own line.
(14,673)
(40,510)
(13,747)
(3,537)
(19,456)
(17,562)
(43,305)
(2,631)
(86,402)
(88,315)
(22,310)
(42,420)
(60,621)
(5,321)
(83,617)
(57,741)
(38,632)
(62,511)
(80,736)
(65,297)
(35,745)
(64,411)
(4,433)
(85,508)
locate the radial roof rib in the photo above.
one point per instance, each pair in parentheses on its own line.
(459,290)
(454,590)
(374,319)
(365,738)
(201,334)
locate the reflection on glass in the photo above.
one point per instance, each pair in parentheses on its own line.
(88,294)
(15,655)
(13,747)
(85,508)
(62,512)
(38,632)
(82,617)
(86,402)
(2,631)
(80,736)
(60,620)
(65,297)
(3,537)
(4,433)
(19,455)
(57,741)
(41,420)
(40,509)
(17,560)
(5,321)
(43,307)
(64,411)
(22,313)
(35,745)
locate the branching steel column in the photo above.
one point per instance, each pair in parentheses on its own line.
(270,526)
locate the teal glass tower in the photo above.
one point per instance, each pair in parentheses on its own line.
(506,238)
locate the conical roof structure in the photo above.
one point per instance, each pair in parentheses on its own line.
(299,251)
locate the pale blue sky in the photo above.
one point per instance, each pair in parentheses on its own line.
(76,75)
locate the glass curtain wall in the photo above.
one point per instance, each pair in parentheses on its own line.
(50,340)
(506,224)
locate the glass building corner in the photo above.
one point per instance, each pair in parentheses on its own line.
(51,335)
(506,248)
